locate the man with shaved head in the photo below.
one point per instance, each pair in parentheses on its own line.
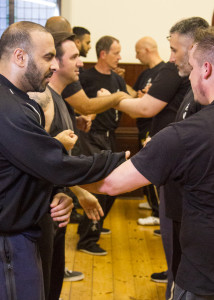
(58,23)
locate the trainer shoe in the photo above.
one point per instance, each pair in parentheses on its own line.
(149,221)
(144,205)
(94,249)
(105,231)
(73,275)
(157,232)
(159,277)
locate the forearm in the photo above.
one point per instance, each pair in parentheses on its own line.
(144,107)
(79,192)
(133,107)
(84,105)
(124,178)
(131,91)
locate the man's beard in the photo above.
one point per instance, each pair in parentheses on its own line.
(83,53)
(35,78)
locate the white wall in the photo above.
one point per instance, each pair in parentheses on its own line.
(129,20)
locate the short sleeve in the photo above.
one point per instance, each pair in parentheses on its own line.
(165,83)
(162,158)
(71,89)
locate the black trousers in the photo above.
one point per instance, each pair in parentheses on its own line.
(95,142)
(52,252)
(153,199)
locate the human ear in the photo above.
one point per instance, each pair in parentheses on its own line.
(78,44)
(102,54)
(207,70)
(20,57)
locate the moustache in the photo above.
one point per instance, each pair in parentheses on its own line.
(49,75)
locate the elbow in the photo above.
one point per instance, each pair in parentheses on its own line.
(109,187)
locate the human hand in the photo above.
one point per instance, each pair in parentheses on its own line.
(91,206)
(67,138)
(61,208)
(103,92)
(120,71)
(144,143)
(83,123)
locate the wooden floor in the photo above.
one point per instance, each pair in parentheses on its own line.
(134,253)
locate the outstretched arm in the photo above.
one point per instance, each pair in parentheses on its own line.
(124,178)
(144,107)
(86,106)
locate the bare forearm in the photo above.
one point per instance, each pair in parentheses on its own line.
(124,178)
(144,107)
(131,91)
(86,106)
(133,107)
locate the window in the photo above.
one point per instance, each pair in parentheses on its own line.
(4,15)
(37,11)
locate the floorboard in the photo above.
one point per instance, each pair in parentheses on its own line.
(134,253)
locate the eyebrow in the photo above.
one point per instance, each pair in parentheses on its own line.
(50,54)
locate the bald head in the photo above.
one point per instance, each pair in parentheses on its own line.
(147,51)
(58,23)
(148,43)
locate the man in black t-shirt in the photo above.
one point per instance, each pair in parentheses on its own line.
(185,154)
(102,133)
(147,53)
(162,102)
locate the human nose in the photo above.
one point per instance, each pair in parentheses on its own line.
(79,63)
(172,57)
(54,65)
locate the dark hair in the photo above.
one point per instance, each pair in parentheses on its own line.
(80,31)
(189,26)
(204,39)
(104,43)
(60,37)
(18,35)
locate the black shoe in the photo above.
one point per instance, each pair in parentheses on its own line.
(73,275)
(105,231)
(159,277)
(75,217)
(157,232)
(94,249)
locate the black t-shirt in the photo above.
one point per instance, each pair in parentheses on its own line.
(145,78)
(173,191)
(168,87)
(71,89)
(92,81)
(183,151)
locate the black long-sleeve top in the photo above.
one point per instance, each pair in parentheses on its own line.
(32,162)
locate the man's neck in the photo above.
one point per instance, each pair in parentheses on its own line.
(155,61)
(103,68)
(56,84)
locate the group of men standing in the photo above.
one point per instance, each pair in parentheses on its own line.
(36,167)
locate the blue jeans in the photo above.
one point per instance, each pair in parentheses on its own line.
(180,294)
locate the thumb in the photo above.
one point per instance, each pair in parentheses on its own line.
(127,154)
(55,201)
